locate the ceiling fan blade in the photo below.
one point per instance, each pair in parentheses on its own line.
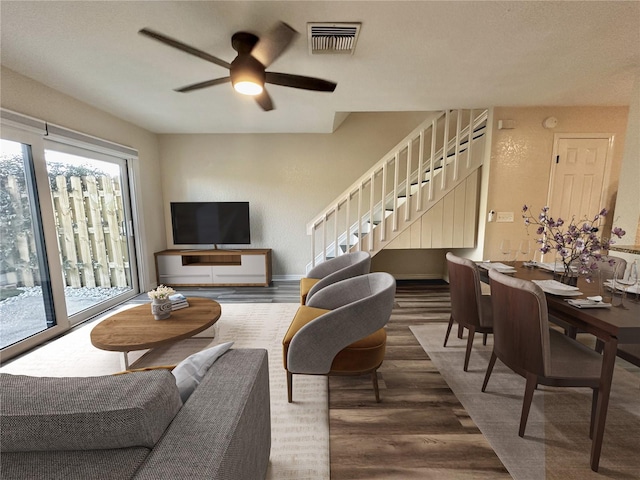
(184,47)
(264,100)
(273,44)
(199,85)
(299,81)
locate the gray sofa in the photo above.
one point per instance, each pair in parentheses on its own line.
(135,426)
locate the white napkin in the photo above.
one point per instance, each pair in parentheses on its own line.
(581,303)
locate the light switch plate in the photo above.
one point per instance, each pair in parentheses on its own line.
(504,217)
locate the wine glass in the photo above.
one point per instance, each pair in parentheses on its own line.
(634,280)
(505,249)
(619,285)
(525,250)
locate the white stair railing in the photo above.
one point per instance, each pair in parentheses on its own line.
(429,162)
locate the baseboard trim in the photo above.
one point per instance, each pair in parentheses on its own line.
(286,278)
(417,276)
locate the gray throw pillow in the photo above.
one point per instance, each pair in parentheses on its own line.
(190,372)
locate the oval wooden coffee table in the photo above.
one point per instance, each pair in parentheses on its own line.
(136,329)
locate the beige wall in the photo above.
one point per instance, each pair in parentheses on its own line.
(411,264)
(628,204)
(521,162)
(23,95)
(287,178)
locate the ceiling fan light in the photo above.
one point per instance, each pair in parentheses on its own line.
(248,87)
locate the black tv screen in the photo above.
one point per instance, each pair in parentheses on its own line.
(210,223)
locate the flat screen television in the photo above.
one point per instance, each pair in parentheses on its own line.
(210,223)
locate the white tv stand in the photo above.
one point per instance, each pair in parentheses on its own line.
(217,268)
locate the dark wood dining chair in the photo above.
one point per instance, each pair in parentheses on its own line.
(469,308)
(523,341)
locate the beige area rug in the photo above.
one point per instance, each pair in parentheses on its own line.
(300,431)
(556,444)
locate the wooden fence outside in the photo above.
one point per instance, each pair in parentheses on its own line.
(91,232)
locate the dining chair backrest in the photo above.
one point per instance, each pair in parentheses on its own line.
(615,265)
(520,324)
(465,290)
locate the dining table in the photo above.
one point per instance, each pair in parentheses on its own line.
(612,325)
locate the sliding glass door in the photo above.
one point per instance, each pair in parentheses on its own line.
(92,218)
(66,234)
(26,300)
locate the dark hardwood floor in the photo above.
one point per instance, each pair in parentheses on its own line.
(419,430)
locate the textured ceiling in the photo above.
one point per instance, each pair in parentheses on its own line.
(410,56)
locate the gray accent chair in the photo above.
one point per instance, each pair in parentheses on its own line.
(341,330)
(469,308)
(523,341)
(333,270)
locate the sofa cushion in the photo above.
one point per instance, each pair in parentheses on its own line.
(190,372)
(86,413)
(112,464)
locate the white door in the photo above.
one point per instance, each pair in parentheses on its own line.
(577,177)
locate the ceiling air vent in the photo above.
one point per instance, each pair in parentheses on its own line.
(332,37)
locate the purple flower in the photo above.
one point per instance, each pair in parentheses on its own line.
(618,232)
(576,239)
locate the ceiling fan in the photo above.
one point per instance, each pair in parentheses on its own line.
(247,71)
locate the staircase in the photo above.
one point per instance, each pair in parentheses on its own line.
(424,184)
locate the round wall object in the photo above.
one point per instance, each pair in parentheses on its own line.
(550,122)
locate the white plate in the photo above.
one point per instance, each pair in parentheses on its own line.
(500,267)
(554,267)
(556,288)
(623,288)
(554,285)
(562,293)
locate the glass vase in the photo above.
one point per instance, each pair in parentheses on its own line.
(566,276)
